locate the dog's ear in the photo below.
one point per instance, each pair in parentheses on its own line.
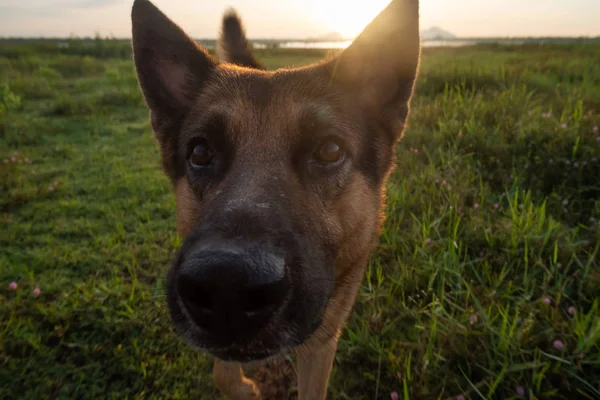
(380,66)
(232,46)
(171,67)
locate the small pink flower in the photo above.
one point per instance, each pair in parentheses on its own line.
(598,138)
(428,241)
(476,206)
(394,395)
(563,125)
(444,182)
(460,397)
(488,230)
(473,319)
(13,285)
(547,301)
(558,345)
(571,310)
(36,291)
(520,391)
(496,206)
(13,159)
(595,128)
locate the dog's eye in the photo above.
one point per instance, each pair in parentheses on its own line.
(201,155)
(329,152)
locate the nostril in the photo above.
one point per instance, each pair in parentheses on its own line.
(196,297)
(260,299)
(255,300)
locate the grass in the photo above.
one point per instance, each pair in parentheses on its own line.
(485,283)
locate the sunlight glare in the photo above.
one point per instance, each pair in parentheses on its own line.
(348,18)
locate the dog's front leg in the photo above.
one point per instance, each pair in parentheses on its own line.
(229,378)
(315,361)
(315,356)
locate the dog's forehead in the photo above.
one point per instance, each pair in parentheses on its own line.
(259,104)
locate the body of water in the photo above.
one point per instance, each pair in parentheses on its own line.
(346,43)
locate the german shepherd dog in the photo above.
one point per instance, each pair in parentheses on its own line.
(279,181)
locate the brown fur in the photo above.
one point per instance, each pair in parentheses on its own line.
(263,187)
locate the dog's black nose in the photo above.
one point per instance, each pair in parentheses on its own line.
(232,292)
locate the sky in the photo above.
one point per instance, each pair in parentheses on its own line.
(302,18)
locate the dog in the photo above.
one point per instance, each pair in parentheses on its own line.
(279,179)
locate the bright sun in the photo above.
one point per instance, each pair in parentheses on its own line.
(347,17)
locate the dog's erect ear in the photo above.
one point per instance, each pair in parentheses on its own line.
(380,66)
(233,47)
(171,67)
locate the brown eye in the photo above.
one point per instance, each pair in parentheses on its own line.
(329,152)
(201,155)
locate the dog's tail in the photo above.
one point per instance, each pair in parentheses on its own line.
(233,47)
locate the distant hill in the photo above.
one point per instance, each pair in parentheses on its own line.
(435,33)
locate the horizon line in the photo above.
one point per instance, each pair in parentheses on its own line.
(312,39)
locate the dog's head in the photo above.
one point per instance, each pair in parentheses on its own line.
(278,175)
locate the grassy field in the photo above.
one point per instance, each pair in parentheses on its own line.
(485,283)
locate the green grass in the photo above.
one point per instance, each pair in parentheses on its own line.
(493,212)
